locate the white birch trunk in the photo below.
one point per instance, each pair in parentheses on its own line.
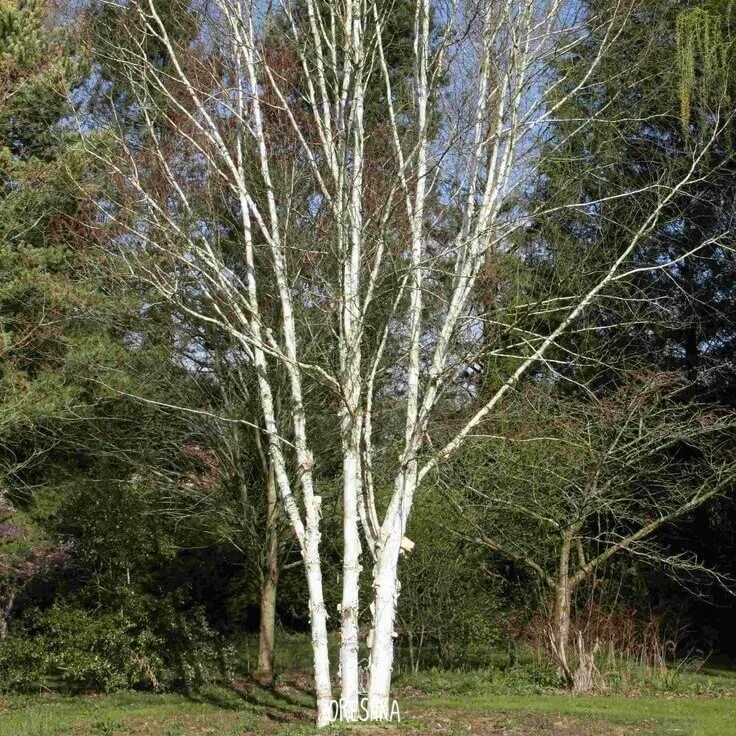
(351,581)
(350,356)
(386,588)
(318,623)
(385,592)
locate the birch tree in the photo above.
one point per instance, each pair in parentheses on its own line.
(368,239)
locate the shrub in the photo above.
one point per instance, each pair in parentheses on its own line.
(71,649)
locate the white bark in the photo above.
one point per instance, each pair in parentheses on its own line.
(351,580)
(386,593)
(318,620)
(234,114)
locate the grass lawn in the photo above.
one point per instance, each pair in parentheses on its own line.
(284,711)
(577,715)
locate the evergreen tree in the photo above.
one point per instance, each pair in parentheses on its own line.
(44,340)
(666,90)
(84,468)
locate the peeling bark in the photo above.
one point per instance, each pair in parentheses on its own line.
(351,581)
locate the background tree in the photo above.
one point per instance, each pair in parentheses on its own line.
(560,494)
(43,342)
(73,447)
(671,312)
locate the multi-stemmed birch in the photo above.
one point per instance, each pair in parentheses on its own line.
(368,239)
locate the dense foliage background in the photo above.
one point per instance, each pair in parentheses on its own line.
(133,499)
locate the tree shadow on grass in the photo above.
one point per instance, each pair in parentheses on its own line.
(288,699)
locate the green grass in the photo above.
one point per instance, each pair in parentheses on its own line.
(216,711)
(514,701)
(680,701)
(660,716)
(222,712)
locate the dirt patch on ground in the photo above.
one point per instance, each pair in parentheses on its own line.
(455,723)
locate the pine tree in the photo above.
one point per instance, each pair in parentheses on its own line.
(56,330)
